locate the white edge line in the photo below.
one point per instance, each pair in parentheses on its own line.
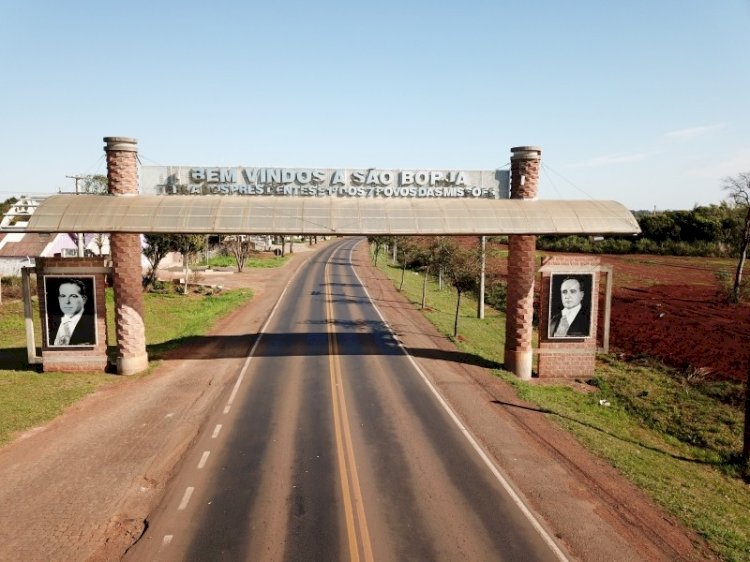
(255,345)
(469,437)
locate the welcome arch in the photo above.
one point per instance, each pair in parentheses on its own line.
(126,214)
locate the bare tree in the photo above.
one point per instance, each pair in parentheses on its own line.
(746,441)
(240,247)
(739,193)
(99,240)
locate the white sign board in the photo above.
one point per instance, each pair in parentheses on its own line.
(324,182)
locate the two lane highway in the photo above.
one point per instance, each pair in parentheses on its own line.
(332,445)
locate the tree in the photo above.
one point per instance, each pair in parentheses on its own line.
(6,205)
(437,256)
(188,245)
(739,193)
(379,242)
(240,247)
(463,272)
(157,247)
(407,250)
(95,183)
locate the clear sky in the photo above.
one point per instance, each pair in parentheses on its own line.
(644,102)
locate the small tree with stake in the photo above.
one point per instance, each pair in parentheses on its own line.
(437,256)
(463,272)
(739,193)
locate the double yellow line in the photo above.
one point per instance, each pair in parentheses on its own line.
(360,547)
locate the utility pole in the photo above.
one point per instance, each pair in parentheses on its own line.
(480,302)
(79,235)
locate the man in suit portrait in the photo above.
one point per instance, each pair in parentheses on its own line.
(574,319)
(75,326)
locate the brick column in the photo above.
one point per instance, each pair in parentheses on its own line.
(524,179)
(122,175)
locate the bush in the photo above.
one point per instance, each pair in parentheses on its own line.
(12,288)
(615,246)
(496,295)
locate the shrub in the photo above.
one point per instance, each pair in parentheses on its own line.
(496,295)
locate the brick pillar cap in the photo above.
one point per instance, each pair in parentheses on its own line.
(126,144)
(528,152)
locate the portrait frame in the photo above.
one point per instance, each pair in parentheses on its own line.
(581,326)
(85,334)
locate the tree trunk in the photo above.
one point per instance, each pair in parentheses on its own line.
(403,273)
(736,289)
(394,259)
(746,441)
(480,300)
(455,321)
(424,290)
(283,246)
(187,271)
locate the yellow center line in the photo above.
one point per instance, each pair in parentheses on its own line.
(356,523)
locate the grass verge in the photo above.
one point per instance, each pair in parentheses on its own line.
(674,435)
(266,262)
(29,398)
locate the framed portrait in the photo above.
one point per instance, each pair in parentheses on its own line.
(570,307)
(70,310)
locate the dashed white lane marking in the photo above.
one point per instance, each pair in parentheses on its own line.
(226,409)
(167,539)
(186,498)
(203,460)
(217,429)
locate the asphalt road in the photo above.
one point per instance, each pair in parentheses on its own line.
(333,446)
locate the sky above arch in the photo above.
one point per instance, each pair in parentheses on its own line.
(641,102)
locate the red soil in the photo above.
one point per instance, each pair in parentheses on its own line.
(673,309)
(670,308)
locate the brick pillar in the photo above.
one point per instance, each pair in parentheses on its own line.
(524,179)
(122,175)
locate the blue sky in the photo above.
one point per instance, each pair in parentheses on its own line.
(644,102)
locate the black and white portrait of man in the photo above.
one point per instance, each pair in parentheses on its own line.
(71,311)
(570,306)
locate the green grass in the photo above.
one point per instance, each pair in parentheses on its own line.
(29,398)
(673,434)
(265,262)
(479,338)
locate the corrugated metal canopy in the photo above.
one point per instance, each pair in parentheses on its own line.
(209,214)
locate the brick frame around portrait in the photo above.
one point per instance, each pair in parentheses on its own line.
(78,358)
(568,357)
